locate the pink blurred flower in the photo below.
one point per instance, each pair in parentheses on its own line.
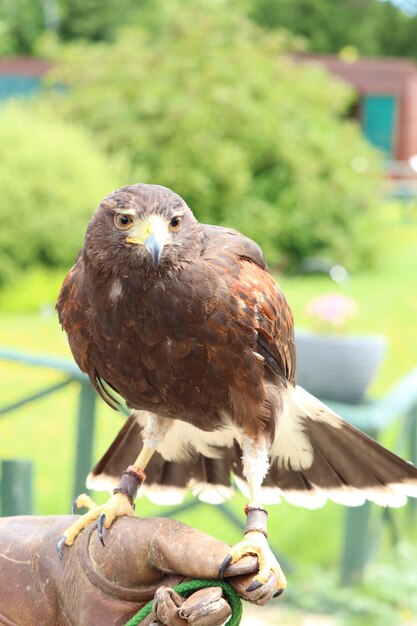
(333,308)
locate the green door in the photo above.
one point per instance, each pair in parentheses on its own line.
(378,121)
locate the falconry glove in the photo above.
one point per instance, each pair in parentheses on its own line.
(143,559)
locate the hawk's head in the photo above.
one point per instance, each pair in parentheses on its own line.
(147,225)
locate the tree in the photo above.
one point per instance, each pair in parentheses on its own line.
(21,24)
(52,177)
(95,20)
(201,100)
(371,26)
(24,22)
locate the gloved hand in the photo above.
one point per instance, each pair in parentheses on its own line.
(105,586)
(205,607)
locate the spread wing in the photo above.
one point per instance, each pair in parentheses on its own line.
(262,305)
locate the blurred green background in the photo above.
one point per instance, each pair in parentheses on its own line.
(202,96)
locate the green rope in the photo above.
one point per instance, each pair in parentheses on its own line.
(186,589)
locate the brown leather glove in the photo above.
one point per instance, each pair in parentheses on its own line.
(205,607)
(95,585)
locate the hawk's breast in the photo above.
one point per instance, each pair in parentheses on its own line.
(176,348)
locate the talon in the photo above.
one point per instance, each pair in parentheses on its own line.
(255,585)
(100,527)
(225,565)
(105,514)
(278,593)
(256,543)
(60,545)
(74,506)
(83,500)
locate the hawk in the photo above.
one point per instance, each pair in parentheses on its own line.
(184,322)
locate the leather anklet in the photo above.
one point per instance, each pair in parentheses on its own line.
(132,478)
(256,520)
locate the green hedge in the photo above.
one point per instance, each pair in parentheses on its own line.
(52,177)
(201,100)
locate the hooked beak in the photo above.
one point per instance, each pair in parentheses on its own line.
(154,244)
(153,234)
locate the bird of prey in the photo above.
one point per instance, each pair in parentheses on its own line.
(185,322)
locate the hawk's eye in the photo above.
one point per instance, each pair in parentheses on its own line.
(123,221)
(175,223)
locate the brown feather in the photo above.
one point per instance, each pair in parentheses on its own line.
(207,338)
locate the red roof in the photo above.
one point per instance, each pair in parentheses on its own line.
(367,75)
(25,66)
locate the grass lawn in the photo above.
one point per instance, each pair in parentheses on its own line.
(44,432)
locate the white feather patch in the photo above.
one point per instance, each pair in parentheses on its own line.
(292,448)
(155,428)
(255,459)
(390,495)
(184,439)
(384,496)
(269,495)
(162,495)
(408,489)
(115,289)
(312,407)
(309,499)
(211,493)
(347,496)
(103,482)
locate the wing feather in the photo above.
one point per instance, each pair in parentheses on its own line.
(227,243)
(262,304)
(71,307)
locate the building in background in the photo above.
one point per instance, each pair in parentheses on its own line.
(386,110)
(21,76)
(386,107)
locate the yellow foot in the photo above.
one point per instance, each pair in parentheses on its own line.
(256,543)
(117,506)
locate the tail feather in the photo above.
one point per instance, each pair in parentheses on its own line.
(121,453)
(327,458)
(315,456)
(166,481)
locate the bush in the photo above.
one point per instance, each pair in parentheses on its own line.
(203,101)
(51,179)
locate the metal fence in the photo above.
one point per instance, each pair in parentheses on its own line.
(86,419)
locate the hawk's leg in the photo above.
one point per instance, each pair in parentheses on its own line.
(255,467)
(122,501)
(119,504)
